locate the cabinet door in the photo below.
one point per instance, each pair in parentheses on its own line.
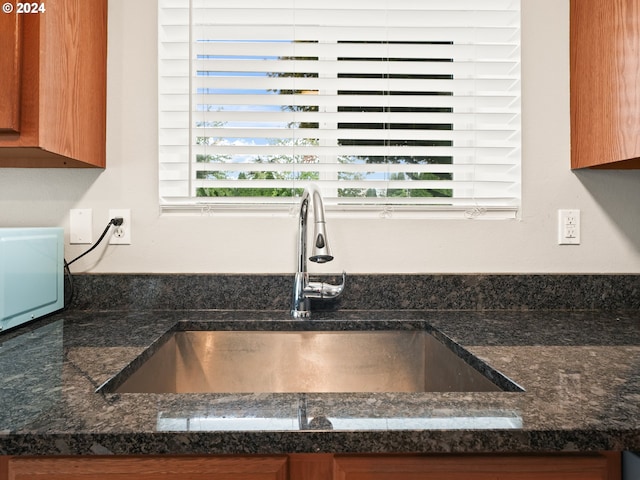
(10,48)
(475,467)
(149,468)
(53,85)
(605,83)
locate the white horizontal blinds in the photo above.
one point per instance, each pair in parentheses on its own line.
(174,100)
(404,101)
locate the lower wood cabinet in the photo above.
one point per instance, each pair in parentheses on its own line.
(476,467)
(149,468)
(604,466)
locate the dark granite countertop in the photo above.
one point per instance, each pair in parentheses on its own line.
(580,370)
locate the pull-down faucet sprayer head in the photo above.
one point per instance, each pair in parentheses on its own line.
(321,252)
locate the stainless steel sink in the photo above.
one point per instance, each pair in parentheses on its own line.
(309,361)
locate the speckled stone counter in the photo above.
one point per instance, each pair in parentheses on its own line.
(580,371)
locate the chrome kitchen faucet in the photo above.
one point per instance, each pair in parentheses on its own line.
(303,289)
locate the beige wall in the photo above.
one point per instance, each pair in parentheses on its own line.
(608,200)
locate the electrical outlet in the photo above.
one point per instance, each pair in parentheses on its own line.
(568,227)
(121,234)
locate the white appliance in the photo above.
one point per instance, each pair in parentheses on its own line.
(31,274)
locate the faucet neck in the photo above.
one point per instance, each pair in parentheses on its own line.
(302,231)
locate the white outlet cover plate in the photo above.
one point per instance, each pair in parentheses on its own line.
(80,226)
(124,238)
(569,227)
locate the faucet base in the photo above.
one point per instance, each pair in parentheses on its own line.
(300,314)
(304,291)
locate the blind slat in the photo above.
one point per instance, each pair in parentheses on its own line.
(487,171)
(463,86)
(271,136)
(461,52)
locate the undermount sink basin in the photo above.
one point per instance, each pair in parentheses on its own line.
(302,362)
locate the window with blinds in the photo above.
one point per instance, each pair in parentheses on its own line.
(383,104)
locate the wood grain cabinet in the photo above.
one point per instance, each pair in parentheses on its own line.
(149,468)
(605,466)
(10,64)
(53,85)
(478,467)
(605,83)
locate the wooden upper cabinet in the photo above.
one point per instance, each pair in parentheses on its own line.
(53,98)
(10,62)
(605,83)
